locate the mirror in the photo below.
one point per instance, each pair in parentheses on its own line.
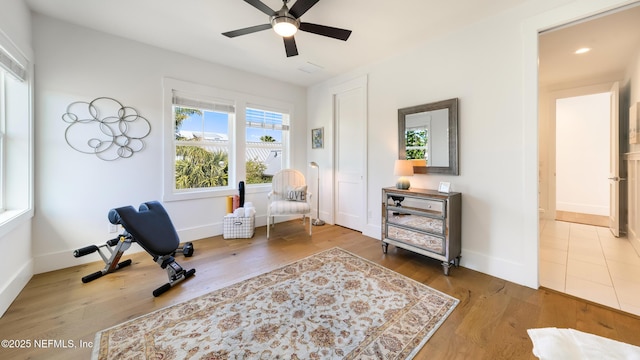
(428,135)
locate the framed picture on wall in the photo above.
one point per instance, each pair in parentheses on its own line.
(317,138)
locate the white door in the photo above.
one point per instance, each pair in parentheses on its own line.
(350,119)
(614,164)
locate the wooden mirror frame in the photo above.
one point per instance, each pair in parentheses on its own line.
(452,105)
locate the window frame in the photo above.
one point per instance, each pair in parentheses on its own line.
(17,144)
(206,105)
(3,152)
(237,137)
(286,138)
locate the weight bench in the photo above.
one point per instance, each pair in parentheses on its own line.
(150,227)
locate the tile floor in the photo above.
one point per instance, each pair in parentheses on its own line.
(590,263)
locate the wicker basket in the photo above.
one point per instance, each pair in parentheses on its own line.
(238,227)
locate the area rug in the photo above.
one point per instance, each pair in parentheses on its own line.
(331,305)
(567,344)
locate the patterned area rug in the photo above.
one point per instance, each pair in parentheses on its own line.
(332,305)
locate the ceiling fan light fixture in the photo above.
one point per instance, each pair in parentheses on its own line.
(285,26)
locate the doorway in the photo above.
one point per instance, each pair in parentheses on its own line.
(582,162)
(586,261)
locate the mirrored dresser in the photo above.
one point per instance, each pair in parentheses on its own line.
(423,221)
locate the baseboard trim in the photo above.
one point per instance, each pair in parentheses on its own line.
(500,268)
(13,288)
(373,231)
(63,259)
(497,267)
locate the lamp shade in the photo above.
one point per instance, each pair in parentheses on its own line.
(403,168)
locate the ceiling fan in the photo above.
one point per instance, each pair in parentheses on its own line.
(286,22)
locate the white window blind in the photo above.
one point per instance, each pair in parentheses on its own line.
(265,120)
(12,66)
(203,104)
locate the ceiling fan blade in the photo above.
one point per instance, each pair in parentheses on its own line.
(336,33)
(246,31)
(290,46)
(261,6)
(301,7)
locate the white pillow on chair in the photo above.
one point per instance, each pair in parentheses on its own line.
(297,193)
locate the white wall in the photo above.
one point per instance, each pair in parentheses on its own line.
(75,191)
(16,266)
(491,66)
(582,154)
(634,81)
(633,77)
(547,135)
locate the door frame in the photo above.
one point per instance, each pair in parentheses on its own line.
(615,162)
(531,28)
(358,82)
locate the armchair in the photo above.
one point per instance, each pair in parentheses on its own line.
(288,196)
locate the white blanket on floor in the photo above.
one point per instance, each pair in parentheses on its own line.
(568,344)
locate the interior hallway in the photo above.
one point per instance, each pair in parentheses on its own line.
(588,262)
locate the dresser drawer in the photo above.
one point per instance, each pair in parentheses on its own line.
(424,223)
(432,207)
(424,241)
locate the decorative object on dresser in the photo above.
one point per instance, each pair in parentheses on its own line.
(403,168)
(423,221)
(444,187)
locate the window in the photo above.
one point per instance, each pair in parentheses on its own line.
(266,134)
(417,136)
(416,144)
(202,133)
(16,136)
(219,138)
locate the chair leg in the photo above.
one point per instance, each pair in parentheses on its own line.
(268,225)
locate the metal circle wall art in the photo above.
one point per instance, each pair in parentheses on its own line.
(106,128)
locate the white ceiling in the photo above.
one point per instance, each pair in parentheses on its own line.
(614,39)
(380,29)
(194,27)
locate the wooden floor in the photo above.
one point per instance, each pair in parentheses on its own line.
(490,322)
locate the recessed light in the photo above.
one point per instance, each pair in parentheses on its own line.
(582,50)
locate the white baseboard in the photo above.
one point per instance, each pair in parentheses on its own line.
(15,286)
(498,267)
(373,231)
(583,208)
(64,259)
